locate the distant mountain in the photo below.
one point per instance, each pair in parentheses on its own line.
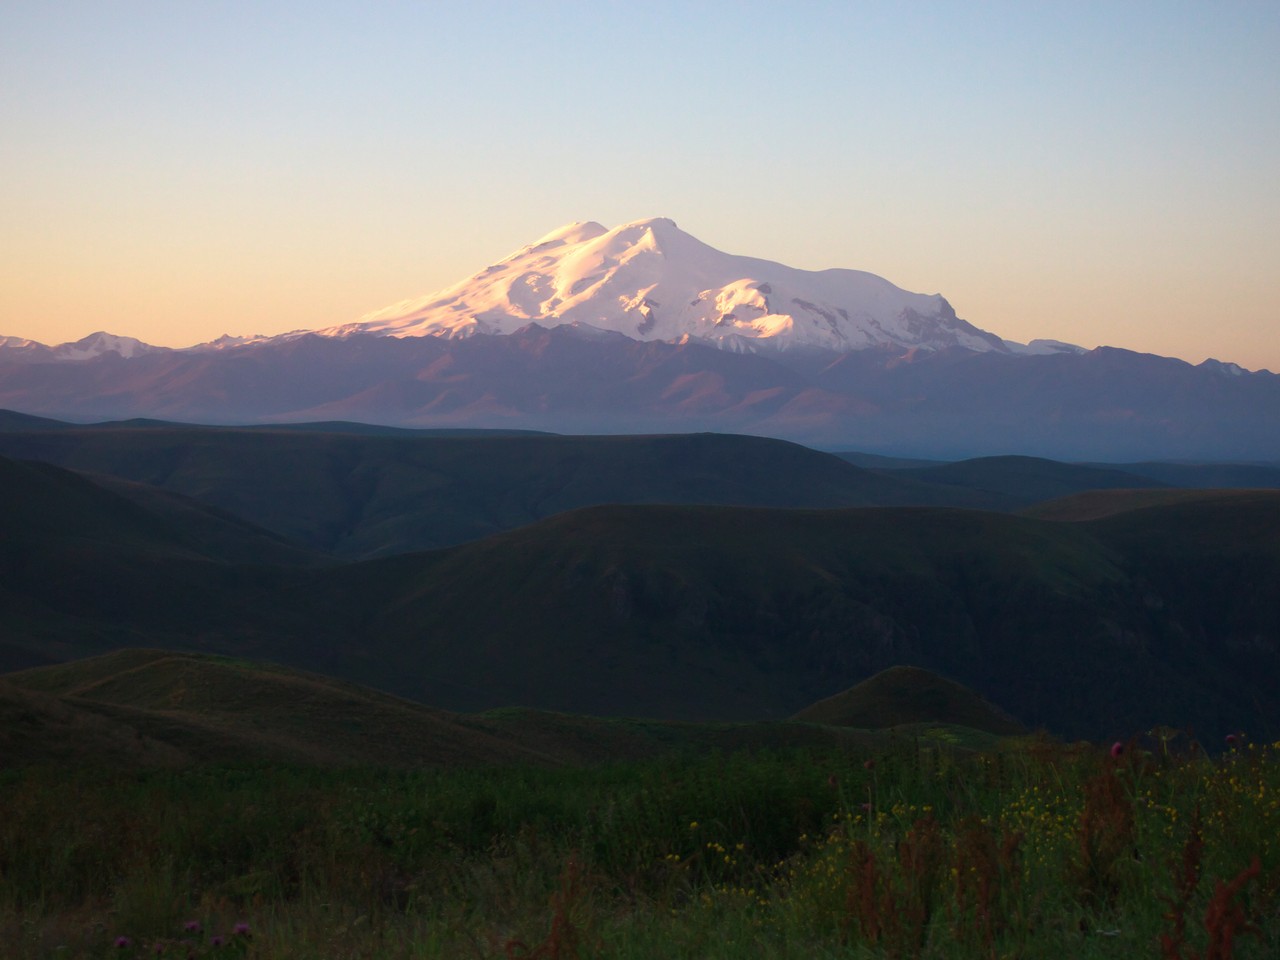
(1221,475)
(1102,405)
(87,348)
(1008,483)
(645,329)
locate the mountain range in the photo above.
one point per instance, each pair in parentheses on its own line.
(643,328)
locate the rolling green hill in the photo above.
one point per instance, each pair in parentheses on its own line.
(139,707)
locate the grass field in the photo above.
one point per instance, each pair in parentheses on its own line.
(1032,849)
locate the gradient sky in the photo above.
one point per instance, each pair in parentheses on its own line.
(1097,173)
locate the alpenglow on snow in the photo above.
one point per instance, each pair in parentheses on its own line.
(649,280)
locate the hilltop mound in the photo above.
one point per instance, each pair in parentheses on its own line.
(903,695)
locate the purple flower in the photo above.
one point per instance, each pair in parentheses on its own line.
(1232,739)
(240,930)
(191,926)
(123,942)
(216,941)
(1117,749)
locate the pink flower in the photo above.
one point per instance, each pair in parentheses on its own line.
(240,930)
(1117,749)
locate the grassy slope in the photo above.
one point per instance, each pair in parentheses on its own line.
(215,708)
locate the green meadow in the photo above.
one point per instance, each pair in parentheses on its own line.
(914,847)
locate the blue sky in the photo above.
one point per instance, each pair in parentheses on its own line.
(1098,173)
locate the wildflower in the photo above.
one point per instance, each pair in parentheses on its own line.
(191,926)
(869,763)
(123,942)
(1232,740)
(216,941)
(1117,749)
(240,930)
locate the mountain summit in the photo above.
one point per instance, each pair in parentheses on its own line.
(649,280)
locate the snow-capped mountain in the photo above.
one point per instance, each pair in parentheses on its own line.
(87,348)
(643,328)
(649,280)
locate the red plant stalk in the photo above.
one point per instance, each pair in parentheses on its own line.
(1225,919)
(1186,877)
(564,938)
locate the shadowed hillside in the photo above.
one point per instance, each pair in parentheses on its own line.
(651,610)
(84,569)
(53,509)
(375,494)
